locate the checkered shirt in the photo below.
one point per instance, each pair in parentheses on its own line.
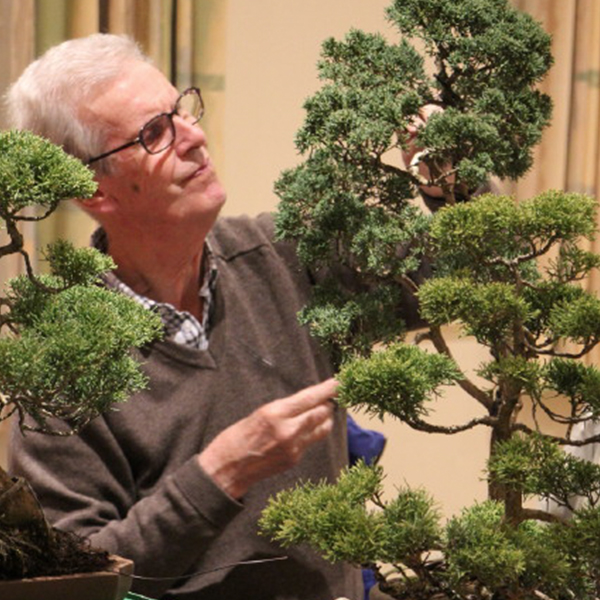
(179,326)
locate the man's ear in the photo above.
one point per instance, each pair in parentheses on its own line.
(99,204)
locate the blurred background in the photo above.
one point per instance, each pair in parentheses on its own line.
(255,63)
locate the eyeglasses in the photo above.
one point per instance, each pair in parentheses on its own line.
(159,133)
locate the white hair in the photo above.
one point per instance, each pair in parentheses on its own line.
(47,96)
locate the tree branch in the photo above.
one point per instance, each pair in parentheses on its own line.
(34,219)
(514,262)
(588,347)
(468,386)
(420,425)
(16,238)
(557,418)
(541,515)
(563,441)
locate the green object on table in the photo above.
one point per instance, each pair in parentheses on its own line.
(132,596)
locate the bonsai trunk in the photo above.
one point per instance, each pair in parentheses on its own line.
(509,407)
(20,508)
(24,530)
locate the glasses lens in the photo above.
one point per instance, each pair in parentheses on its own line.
(190,106)
(158,134)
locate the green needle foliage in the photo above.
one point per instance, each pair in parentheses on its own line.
(537,466)
(34,172)
(65,353)
(72,360)
(507,274)
(335,520)
(398,380)
(513,561)
(65,349)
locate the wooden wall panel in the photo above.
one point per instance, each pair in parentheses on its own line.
(584,147)
(209,30)
(582,158)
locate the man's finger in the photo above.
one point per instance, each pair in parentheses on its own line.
(308,398)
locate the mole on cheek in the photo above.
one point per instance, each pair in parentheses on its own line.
(135,188)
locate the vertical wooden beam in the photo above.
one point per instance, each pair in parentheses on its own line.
(584,147)
(16,52)
(83,17)
(17,47)
(582,157)
(50,23)
(160,13)
(209,67)
(183,73)
(118,13)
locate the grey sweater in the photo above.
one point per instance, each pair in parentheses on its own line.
(131,483)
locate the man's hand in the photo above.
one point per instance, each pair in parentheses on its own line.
(270,440)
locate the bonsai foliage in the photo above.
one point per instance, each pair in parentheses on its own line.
(507,274)
(65,349)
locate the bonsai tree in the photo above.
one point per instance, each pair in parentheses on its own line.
(64,352)
(507,274)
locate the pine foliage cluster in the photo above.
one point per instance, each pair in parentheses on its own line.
(65,350)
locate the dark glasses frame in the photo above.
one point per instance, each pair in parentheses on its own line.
(147,127)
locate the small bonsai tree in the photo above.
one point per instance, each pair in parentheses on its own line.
(65,349)
(508,274)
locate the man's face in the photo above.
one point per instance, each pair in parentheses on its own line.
(151,191)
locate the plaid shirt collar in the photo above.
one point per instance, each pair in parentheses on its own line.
(179,326)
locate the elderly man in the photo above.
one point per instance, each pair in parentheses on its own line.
(239,398)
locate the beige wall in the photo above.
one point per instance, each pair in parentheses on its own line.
(272,49)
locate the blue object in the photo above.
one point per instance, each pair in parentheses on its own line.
(363,443)
(368,445)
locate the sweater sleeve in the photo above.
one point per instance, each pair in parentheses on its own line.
(86,485)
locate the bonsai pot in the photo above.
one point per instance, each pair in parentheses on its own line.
(112,584)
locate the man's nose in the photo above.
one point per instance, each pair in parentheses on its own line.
(188,135)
